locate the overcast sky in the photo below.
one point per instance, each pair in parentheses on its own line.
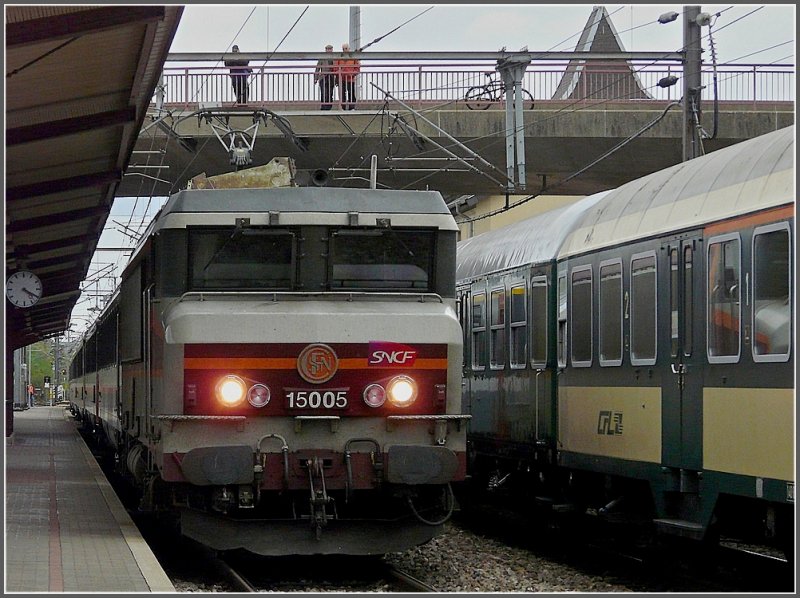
(740,33)
(479,27)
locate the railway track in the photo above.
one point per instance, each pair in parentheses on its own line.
(624,555)
(408,582)
(239,575)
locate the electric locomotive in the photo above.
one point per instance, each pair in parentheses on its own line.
(275,369)
(631,356)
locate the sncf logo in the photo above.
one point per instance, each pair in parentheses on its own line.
(383,354)
(317,363)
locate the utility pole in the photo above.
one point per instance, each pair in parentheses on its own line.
(56,369)
(692,83)
(355,41)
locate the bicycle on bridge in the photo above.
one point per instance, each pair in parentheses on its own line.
(480,97)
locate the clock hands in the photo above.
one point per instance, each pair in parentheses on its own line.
(31,293)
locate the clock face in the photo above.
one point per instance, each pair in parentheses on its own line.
(23,288)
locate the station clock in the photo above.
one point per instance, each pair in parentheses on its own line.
(23,288)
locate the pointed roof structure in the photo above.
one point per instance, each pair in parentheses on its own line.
(598,79)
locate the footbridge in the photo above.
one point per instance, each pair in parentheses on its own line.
(588,121)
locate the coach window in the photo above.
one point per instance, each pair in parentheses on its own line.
(497,347)
(724,313)
(643,309)
(688,300)
(461,306)
(478,331)
(772,307)
(581,316)
(674,299)
(519,330)
(562,320)
(539,320)
(611,313)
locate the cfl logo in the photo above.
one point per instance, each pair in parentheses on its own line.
(610,423)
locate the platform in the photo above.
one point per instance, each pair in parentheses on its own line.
(66,530)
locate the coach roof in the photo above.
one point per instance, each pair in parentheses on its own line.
(739,179)
(530,241)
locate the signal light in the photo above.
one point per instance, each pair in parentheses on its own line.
(374,395)
(258,395)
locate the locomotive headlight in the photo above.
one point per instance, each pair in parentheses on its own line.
(402,391)
(374,395)
(231,390)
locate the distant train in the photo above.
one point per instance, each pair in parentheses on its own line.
(281,368)
(630,356)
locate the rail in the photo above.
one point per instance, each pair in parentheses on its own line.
(291,86)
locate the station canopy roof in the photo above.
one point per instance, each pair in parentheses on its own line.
(79,80)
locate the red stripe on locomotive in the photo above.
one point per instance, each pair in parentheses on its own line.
(276,366)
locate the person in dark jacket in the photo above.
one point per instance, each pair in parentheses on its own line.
(325,77)
(240,75)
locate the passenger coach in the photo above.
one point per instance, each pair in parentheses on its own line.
(641,364)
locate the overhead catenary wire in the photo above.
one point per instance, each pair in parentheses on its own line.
(565,110)
(550,188)
(379,38)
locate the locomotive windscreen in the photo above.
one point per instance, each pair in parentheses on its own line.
(240,259)
(382,259)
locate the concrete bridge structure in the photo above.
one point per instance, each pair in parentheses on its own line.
(559,141)
(412,114)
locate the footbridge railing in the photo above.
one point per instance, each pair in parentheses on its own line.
(291,86)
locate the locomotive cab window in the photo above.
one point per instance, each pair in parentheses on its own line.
(382,259)
(581,316)
(643,309)
(241,259)
(772,306)
(724,309)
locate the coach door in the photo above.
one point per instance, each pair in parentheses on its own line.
(462,307)
(680,340)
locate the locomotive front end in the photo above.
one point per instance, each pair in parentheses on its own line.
(310,395)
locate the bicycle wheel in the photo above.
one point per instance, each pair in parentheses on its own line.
(527,100)
(478,98)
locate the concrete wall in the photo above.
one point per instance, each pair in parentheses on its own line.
(491,203)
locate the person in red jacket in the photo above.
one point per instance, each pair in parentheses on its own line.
(347,70)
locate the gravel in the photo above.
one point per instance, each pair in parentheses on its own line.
(463,561)
(460,561)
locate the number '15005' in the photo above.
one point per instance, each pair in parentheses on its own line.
(315,399)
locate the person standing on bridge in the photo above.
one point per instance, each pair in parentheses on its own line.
(347,70)
(240,74)
(325,76)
